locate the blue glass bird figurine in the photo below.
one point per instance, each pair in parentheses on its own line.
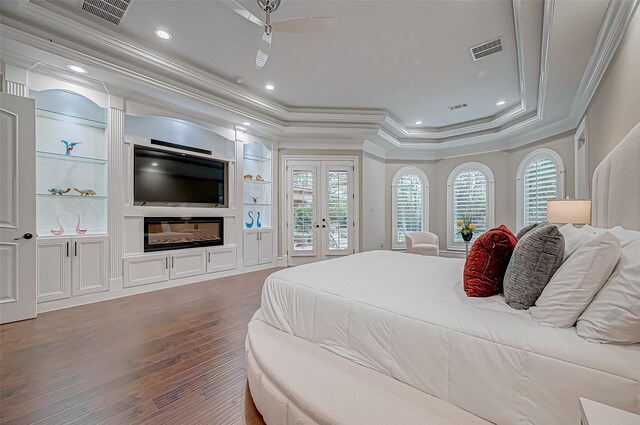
(258,224)
(69,146)
(249,224)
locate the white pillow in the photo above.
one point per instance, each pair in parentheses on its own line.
(573,238)
(625,235)
(593,231)
(614,314)
(576,282)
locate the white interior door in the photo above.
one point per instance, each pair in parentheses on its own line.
(17,209)
(320,210)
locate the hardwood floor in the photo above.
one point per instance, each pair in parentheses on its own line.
(174,356)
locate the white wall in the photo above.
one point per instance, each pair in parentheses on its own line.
(374,202)
(614,110)
(504,166)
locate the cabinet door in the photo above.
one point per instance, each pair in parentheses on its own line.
(54,269)
(219,259)
(89,265)
(250,247)
(146,269)
(186,264)
(265,242)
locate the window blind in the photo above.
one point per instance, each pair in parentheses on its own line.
(540,184)
(470,202)
(409,205)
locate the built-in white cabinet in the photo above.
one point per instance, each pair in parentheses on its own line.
(72,266)
(146,269)
(221,259)
(257,246)
(188,263)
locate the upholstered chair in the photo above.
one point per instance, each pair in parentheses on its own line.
(423,243)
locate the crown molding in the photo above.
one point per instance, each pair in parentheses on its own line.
(376,131)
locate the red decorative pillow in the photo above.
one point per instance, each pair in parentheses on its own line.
(488,261)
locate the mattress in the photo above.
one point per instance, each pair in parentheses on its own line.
(408,317)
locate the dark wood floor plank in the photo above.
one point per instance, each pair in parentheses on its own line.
(175,354)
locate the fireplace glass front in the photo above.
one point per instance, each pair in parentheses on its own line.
(162,233)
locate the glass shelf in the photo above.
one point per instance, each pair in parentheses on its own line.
(251,157)
(68,195)
(256,181)
(70,118)
(73,158)
(251,204)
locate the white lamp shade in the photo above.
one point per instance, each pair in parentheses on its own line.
(574,211)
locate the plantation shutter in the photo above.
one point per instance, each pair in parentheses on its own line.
(540,184)
(470,201)
(409,205)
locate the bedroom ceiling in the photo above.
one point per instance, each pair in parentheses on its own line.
(388,64)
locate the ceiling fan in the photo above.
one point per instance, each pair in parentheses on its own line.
(294,25)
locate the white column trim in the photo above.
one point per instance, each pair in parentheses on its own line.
(116,189)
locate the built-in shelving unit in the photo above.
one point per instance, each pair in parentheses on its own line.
(64,116)
(257,190)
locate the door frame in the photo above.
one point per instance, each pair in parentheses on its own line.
(283,235)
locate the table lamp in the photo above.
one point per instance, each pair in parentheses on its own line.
(574,211)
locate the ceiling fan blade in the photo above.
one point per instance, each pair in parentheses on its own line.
(240,10)
(263,51)
(309,24)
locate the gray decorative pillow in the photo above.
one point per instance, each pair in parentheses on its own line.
(524,230)
(535,260)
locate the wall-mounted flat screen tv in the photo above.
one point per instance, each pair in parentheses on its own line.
(163,178)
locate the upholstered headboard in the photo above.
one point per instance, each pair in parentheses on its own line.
(616,185)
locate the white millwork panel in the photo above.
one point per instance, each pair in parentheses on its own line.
(221,259)
(146,269)
(188,263)
(89,265)
(265,246)
(250,247)
(116,199)
(54,269)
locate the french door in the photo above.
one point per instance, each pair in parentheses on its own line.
(321,218)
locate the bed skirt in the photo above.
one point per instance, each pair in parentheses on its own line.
(293,381)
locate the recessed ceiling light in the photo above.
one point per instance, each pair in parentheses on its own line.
(500,103)
(246,123)
(418,122)
(155,164)
(165,35)
(269,87)
(76,68)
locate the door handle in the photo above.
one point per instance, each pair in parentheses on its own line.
(67,248)
(75,248)
(25,236)
(166,262)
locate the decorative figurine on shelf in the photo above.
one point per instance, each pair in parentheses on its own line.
(60,231)
(58,191)
(249,224)
(258,224)
(255,199)
(69,146)
(85,192)
(248,176)
(78,229)
(259,178)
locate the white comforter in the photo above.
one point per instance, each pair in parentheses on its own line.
(407,316)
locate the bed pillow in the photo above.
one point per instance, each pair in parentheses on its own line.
(577,282)
(487,262)
(614,314)
(574,238)
(535,259)
(524,230)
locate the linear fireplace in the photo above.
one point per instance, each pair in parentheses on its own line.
(162,233)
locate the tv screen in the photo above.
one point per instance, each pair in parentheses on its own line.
(175,179)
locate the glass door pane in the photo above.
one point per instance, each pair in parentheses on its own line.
(303,209)
(338,209)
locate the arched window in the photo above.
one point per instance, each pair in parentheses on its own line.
(470,196)
(540,178)
(410,202)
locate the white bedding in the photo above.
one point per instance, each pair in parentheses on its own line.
(407,316)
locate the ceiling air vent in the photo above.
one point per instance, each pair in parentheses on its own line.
(109,10)
(485,49)
(458,106)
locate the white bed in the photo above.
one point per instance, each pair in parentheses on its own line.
(406,318)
